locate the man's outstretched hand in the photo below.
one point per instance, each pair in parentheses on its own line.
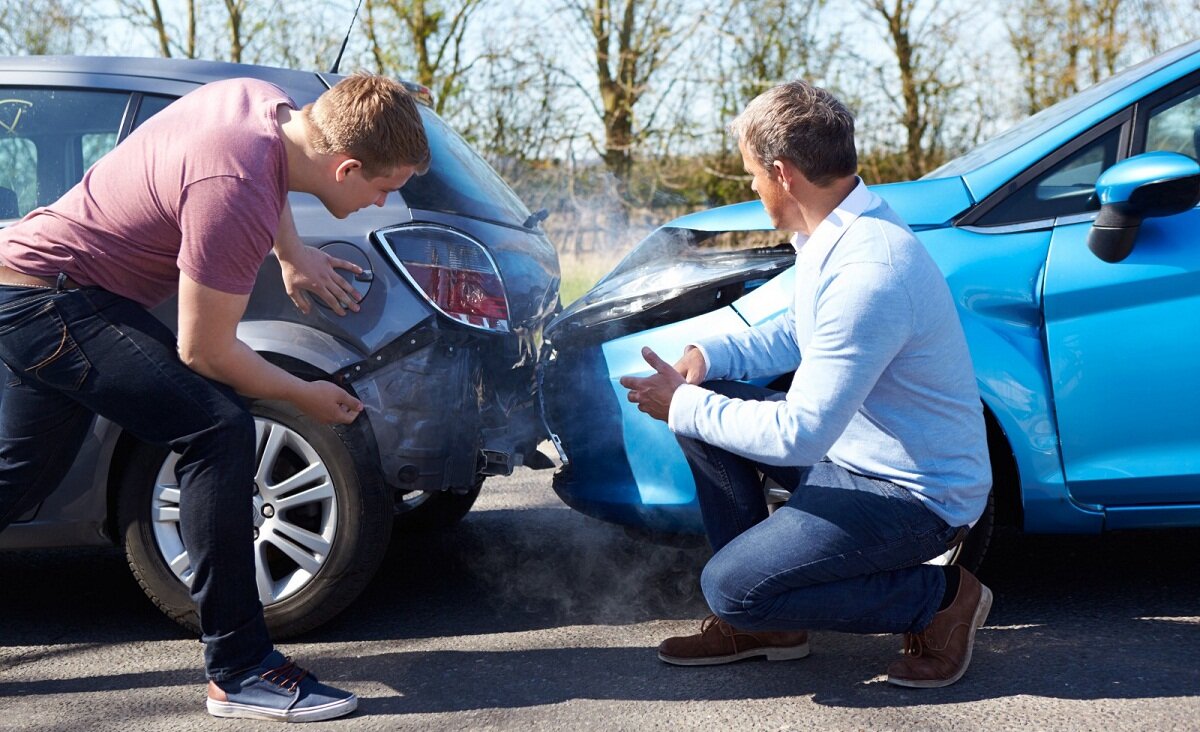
(652,394)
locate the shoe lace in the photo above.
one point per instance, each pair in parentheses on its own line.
(725,629)
(288,676)
(708,623)
(914,644)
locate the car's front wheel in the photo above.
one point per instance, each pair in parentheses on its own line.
(322,522)
(969,553)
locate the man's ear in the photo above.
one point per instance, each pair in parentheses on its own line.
(789,175)
(345,167)
(785,172)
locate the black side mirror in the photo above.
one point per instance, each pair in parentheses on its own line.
(1151,184)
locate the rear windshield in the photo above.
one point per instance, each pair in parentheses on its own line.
(459,181)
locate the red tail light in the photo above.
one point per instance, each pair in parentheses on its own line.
(454,272)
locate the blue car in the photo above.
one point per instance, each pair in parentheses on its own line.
(1072,247)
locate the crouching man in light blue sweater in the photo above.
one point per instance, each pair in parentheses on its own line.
(880,436)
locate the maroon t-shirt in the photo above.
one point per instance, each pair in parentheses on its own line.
(198,188)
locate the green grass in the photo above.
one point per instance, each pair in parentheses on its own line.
(580,272)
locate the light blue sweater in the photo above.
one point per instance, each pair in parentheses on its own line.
(883,381)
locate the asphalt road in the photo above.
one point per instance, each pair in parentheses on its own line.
(529,616)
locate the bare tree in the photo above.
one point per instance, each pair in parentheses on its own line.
(761,43)
(226,30)
(1156,25)
(921,36)
(36,27)
(1063,46)
(631,43)
(310,43)
(758,44)
(431,33)
(149,14)
(236,11)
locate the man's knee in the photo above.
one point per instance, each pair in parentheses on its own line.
(693,449)
(733,600)
(724,589)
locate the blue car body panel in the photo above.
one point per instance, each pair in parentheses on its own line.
(1124,342)
(747,216)
(657,464)
(926,203)
(931,202)
(1117,184)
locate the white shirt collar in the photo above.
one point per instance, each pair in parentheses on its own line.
(813,247)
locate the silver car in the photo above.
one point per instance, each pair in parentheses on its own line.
(458,283)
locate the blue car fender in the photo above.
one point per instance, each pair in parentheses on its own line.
(1005,333)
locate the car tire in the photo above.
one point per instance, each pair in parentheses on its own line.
(425,511)
(969,554)
(351,517)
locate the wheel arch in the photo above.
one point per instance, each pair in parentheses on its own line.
(293,363)
(1006,479)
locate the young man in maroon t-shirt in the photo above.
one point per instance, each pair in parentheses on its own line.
(190,204)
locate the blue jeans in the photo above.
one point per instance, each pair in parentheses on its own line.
(73,354)
(845,553)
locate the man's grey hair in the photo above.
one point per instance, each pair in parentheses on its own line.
(803,124)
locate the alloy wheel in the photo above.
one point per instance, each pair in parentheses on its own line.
(294,506)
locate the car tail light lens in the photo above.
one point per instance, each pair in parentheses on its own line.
(454,272)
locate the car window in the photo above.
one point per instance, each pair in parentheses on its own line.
(459,181)
(95,144)
(150,106)
(1175,125)
(48,138)
(1065,189)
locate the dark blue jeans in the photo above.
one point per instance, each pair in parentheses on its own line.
(73,354)
(845,553)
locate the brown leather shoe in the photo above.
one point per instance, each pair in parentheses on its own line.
(940,654)
(719,642)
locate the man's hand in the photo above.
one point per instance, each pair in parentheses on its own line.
(328,403)
(310,270)
(653,393)
(691,365)
(306,269)
(208,345)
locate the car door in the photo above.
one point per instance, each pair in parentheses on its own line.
(53,126)
(1123,345)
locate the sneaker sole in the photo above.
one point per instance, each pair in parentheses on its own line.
(309,714)
(791,653)
(981,613)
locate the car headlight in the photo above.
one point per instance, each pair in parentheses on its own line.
(453,271)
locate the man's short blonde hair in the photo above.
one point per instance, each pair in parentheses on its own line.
(374,120)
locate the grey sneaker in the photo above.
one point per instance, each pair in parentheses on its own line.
(281,691)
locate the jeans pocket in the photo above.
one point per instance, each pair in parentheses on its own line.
(45,351)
